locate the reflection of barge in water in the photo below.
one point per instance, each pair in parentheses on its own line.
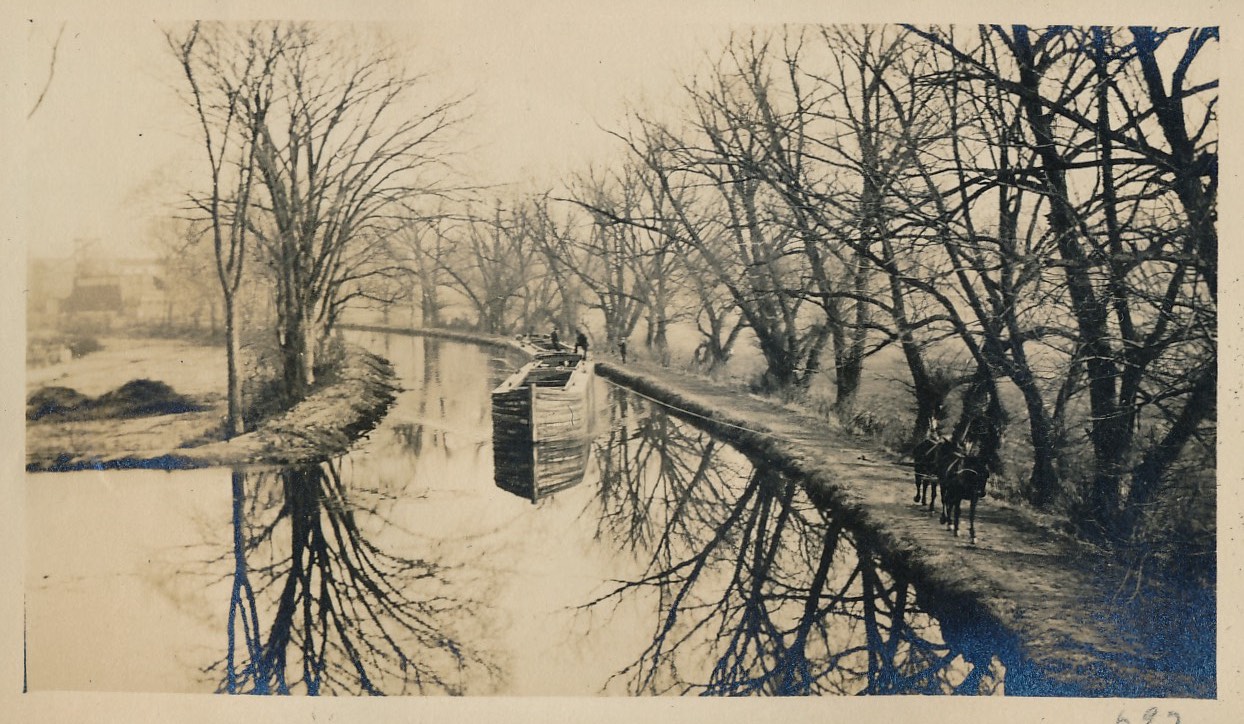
(540,416)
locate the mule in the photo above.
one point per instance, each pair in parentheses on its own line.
(963,478)
(929,457)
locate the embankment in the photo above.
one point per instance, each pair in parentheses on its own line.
(1043,598)
(340,410)
(491,340)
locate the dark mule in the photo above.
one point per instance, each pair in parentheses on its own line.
(963,478)
(930,457)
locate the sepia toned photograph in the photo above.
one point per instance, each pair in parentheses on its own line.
(476,353)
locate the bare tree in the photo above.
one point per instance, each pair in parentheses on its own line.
(229,76)
(346,152)
(495,265)
(835,119)
(622,267)
(1125,156)
(424,248)
(721,211)
(191,291)
(553,228)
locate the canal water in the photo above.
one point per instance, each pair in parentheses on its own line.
(677,566)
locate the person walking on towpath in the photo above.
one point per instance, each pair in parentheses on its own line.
(622,349)
(580,341)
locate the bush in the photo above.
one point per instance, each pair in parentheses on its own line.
(460,323)
(136,398)
(81,345)
(51,349)
(893,431)
(54,401)
(329,359)
(262,390)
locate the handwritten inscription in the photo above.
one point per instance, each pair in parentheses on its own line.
(1152,716)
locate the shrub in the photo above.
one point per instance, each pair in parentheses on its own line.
(55,401)
(81,345)
(49,350)
(137,398)
(329,359)
(262,390)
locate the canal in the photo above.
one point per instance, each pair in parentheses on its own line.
(677,566)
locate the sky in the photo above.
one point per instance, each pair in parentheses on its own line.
(111,147)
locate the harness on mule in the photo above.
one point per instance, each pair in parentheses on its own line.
(967,462)
(928,457)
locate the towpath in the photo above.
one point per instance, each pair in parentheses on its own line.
(1069,615)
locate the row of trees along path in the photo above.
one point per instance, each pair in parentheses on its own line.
(1039,202)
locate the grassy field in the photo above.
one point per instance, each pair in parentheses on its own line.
(191,369)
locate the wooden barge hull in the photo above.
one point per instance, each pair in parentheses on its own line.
(540,418)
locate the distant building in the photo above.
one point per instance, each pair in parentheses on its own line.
(49,285)
(96,291)
(96,303)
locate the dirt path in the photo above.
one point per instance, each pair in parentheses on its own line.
(1054,599)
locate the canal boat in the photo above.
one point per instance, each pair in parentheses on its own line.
(540,420)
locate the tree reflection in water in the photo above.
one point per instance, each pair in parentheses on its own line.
(343,614)
(445,411)
(649,466)
(758,590)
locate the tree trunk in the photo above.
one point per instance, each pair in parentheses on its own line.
(780,372)
(429,306)
(838,339)
(1199,203)
(851,363)
(1148,475)
(660,339)
(1091,313)
(233,354)
(850,367)
(293,345)
(1043,482)
(930,396)
(310,340)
